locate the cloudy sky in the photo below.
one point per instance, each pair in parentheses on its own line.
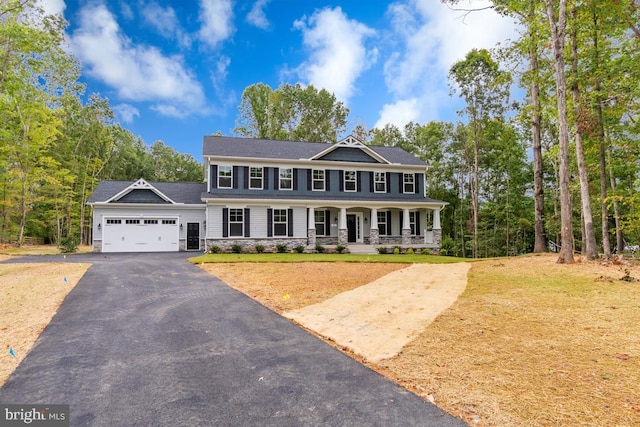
(175,70)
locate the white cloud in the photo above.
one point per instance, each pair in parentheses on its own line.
(52,7)
(126,112)
(256,15)
(165,22)
(400,113)
(338,55)
(216,18)
(137,73)
(430,38)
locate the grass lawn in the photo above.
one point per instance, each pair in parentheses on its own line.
(295,257)
(39,250)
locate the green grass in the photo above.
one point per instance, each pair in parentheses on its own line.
(289,257)
(41,250)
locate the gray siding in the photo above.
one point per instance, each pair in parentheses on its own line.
(347,154)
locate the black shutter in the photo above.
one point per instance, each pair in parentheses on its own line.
(401,214)
(269,222)
(235,177)
(388,223)
(327,222)
(341,181)
(276,178)
(213,179)
(401,183)
(327,174)
(358,181)
(371,178)
(309,180)
(225,222)
(290,222)
(388,183)
(295,179)
(246,177)
(247,223)
(265,178)
(417,214)
(416,186)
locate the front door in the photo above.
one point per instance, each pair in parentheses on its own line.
(193,236)
(352,226)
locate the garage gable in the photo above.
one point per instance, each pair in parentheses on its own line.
(140,192)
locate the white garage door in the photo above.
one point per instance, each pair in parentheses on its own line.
(140,235)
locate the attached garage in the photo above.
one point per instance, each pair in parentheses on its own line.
(146,216)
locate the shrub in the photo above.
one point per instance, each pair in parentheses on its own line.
(299,249)
(69,244)
(340,248)
(213,249)
(281,248)
(382,250)
(410,251)
(396,250)
(260,249)
(319,248)
(447,246)
(236,248)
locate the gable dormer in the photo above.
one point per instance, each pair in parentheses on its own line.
(141,192)
(350,149)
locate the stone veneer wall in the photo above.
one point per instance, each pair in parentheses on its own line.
(97,246)
(249,245)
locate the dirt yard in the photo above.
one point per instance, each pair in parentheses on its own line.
(30,295)
(528,343)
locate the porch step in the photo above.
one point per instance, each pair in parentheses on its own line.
(362,249)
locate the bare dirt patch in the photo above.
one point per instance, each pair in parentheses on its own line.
(30,295)
(529,343)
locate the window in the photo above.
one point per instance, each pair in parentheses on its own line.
(114,221)
(318,180)
(320,223)
(150,221)
(380,182)
(132,221)
(279,222)
(412,222)
(409,183)
(225,176)
(255,178)
(286,179)
(382,223)
(236,222)
(169,221)
(350,183)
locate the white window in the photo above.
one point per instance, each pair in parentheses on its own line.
(409,183)
(350,183)
(279,222)
(412,222)
(225,176)
(382,223)
(133,221)
(169,221)
(286,179)
(255,178)
(236,222)
(318,180)
(150,221)
(380,182)
(114,221)
(320,223)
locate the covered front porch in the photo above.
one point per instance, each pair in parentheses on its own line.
(376,226)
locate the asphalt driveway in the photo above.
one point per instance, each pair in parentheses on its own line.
(151,340)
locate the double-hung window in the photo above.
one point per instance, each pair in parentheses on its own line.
(225,176)
(255,178)
(286,179)
(279,222)
(318,180)
(412,222)
(382,223)
(236,222)
(409,185)
(350,181)
(380,182)
(320,223)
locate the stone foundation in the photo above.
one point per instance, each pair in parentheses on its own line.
(406,237)
(374,236)
(249,245)
(97,246)
(311,237)
(343,236)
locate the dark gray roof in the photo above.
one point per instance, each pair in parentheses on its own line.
(226,146)
(179,192)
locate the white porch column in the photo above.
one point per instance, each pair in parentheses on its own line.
(374,233)
(374,218)
(436,219)
(343,235)
(311,219)
(406,228)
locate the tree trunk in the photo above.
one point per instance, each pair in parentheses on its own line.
(616,212)
(589,248)
(558,29)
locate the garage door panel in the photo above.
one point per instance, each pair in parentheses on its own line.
(140,237)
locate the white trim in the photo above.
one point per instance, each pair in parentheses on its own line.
(351,142)
(324,180)
(230,187)
(140,184)
(261,178)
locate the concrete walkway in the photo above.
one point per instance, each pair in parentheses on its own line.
(150,340)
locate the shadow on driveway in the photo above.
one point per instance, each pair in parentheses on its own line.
(149,339)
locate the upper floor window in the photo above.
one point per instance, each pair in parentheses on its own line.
(279,222)
(286,179)
(409,185)
(236,222)
(255,178)
(350,181)
(225,176)
(318,180)
(380,182)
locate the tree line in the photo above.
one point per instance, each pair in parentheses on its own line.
(558,169)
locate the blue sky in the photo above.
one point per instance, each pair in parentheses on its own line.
(175,70)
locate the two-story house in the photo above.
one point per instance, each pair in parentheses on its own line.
(266,192)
